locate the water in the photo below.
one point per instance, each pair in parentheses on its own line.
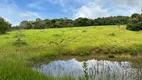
(96,70)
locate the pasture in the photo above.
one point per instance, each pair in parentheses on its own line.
(22,49)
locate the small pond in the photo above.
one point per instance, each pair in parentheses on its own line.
(93,69)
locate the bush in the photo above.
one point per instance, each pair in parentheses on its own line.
(4,25)
(135,23)
(112,34)
(19,42)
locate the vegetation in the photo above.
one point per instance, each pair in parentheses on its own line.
(135,22)
(19,41)
(65,22)
(116,20)
(47,44)
(4,25)
(21,49)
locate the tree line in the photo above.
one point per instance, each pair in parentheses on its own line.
(133,22)
(65,22)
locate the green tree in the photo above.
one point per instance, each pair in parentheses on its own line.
(25,25)
(39,24)
(83,22)
(4,25)
(135,22)
(112,20)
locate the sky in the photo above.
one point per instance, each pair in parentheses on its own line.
(16,11)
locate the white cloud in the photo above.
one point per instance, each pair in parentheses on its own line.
(25,15)
(7,20)
(103,8)
(63,4)
(11,12)
(67,5)
(36,5)
(92,10)
(28,15)
(126,7)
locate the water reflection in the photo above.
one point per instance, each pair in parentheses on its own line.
(96,70)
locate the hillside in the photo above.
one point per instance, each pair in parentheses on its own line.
(71,40)
(21,48)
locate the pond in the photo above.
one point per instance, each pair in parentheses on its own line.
(91,69)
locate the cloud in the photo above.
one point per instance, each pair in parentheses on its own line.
(41,4)
(28,15)
(62,3)
(36,5)
(11,12)
(126,7)
(92,11)
(65,5)
(7,20)
(103,8)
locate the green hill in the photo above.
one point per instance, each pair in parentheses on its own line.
(21,49)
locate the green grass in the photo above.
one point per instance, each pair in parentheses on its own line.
(16,60)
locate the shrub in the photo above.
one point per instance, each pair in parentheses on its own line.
(112,34)
(19,42)
(84,31)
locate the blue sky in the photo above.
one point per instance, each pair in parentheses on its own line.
(15,11)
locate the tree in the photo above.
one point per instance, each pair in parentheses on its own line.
(25,25)
(39,24)
(83,22)
(4,25)
(112,20)
(135,22)
(135,15)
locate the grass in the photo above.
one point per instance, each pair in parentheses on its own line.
(45,45)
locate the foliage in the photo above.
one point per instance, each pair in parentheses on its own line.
(112,34)
(4,25)
(85,69)
(121,20)
(83,22)
(65,22)
(135,22)
(25,25)
(41,24)
(19,42)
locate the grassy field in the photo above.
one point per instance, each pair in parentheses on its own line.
(19,50)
